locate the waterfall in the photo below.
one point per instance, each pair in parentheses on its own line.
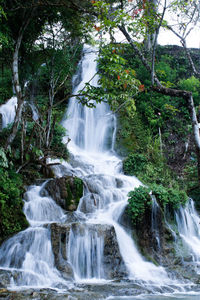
(7,111)
(29,253)
(154,221)
(85,252)
(92,132)
(189,229)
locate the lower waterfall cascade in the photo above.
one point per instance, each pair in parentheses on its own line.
(28,255)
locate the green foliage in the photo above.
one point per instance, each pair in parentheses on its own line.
(74,191)
(3,159)
(191,84)
(78,189)
(117,84)
(169,196)
(5,84)
(134,164)
(12,218)
(57,142)
(139,201)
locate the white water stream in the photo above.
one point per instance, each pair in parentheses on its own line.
(189,229)
(8,111)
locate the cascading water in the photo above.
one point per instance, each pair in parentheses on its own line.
(92,133)
(29,253)
(189,229)
(154,221)
(85,252)
(8,111)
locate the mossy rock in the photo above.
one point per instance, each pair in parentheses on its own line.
(66,191)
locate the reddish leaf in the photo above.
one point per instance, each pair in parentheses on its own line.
(144,4)
(97,28)
(125,85)
(118,77)
(127,71)
(141,87)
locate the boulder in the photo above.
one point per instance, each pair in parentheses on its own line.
(59,241)
(66,191)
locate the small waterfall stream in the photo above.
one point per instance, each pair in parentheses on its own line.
(189,229)
(8,111)
(154,221)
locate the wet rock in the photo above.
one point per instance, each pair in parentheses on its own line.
(66,191)
(4,278)
(111,260)
(113,263)
(125,219)
(75,216)
(89,203)
(59,240)
(119,182)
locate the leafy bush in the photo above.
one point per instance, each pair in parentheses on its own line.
(169,196)
(134,164)
(139,201)
(5,85)
(12,218)
(57,144)
(191,84)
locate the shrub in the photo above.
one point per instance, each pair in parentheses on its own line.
(169,196)
(134,164)
(12,218)
(139,201)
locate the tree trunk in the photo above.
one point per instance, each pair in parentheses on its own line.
(18,91)
(16,83)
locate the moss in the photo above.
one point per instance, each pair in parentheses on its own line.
(74,187)
(78,189)
(69,197)
(12,220)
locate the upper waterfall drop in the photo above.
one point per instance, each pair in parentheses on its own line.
(91,130)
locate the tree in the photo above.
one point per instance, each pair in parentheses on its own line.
(22,26)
